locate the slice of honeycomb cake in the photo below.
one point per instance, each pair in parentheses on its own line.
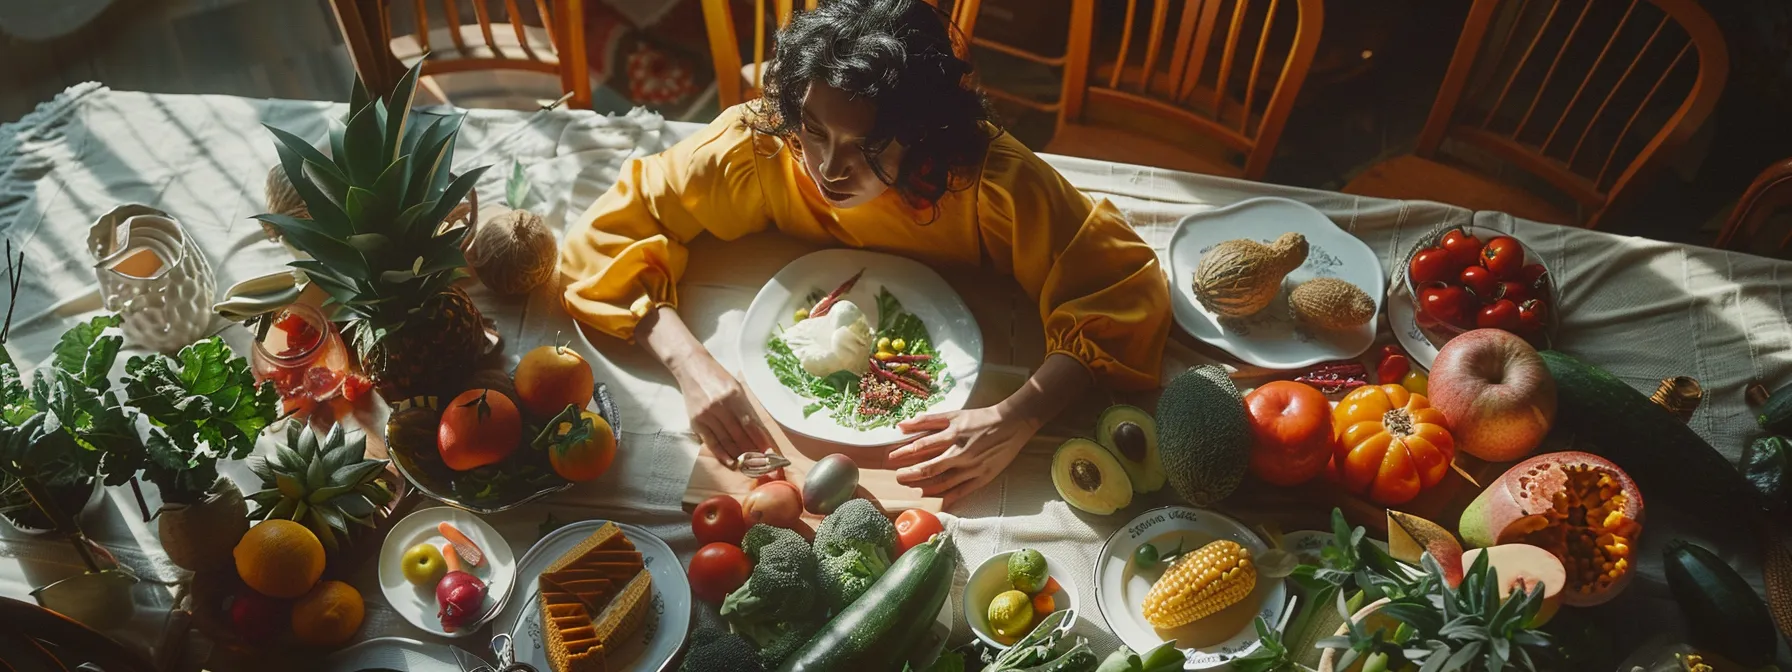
(592,596)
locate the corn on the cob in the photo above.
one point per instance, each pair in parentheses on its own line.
(1201,583)
(1776,570)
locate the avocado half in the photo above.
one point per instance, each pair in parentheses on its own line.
(1089,478)
(1131,435)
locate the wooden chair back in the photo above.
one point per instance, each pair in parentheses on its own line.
(1197,79)
(1770,194)
(738,82)
(1590,115)
(501,36)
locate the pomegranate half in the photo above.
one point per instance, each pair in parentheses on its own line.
(1578,506)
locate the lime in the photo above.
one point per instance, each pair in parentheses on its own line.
(1026,570)
(1010,613)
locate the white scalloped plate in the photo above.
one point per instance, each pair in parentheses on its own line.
(1272,338)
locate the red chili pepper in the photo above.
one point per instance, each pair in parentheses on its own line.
(1392,369)
(827,303)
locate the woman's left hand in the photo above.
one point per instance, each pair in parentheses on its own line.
(964,451)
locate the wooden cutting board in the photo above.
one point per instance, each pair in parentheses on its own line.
(709,478)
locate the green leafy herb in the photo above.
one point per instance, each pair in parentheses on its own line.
(1272,656)
(203,405)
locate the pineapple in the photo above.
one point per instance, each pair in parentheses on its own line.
(378,243)
(324,484)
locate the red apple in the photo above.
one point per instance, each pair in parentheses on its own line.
(1496,393)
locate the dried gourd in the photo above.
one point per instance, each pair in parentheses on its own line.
(282,199)
(513,252)
(1330,303)
(1239,278)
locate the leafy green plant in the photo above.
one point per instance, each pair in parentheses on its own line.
(203,406)
(1445,629)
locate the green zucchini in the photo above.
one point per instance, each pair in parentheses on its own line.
(1726,615)
(1776,415)
(881,629)
(1669,461)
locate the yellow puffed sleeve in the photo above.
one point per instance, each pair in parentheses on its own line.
(622,258)
(1101,293)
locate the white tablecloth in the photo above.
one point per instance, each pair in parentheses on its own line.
(1639,308)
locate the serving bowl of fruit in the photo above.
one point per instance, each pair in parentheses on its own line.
(1466,278)
(507,440)
(1012,591)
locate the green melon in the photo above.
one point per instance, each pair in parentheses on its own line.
(1131,435)
(1204,435)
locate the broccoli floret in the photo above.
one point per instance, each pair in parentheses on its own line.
(853,546)
(782,586)
(784,640)
(717,651)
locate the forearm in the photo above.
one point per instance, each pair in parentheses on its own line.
(663,334)
(1058,382)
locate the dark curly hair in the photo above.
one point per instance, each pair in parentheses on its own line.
(897,54)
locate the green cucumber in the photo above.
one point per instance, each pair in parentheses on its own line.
(1776,415)
(1669,461)
(1726,615)
(881,629)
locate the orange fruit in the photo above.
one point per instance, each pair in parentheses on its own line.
(581,451)
(279,558)
(552,377)
(328,615)
(478,428)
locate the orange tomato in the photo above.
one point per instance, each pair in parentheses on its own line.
(478,428)
(1392,444)
(1292,429)
(583,450)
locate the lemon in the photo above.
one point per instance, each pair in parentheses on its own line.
(1010,613)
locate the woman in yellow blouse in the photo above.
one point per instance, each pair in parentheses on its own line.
(869,135)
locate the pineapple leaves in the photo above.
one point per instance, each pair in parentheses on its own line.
(359,96)
(328,212)
(321,241)
(362,145)
(516,189)
(452,196)
(398,112)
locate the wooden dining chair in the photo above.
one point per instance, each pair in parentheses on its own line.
(1198,105)
(725,49)
(1587,108)
(552,41)
(1769,195)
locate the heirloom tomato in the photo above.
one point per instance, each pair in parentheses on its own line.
(1392,444)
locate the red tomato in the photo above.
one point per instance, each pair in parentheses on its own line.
(777,503)
(1392,349)
(1504,256)
(915,527)
(1444,303)
(717,570)
(1532,275)
(1533,315)
(719,518)
(1464,247)
(1432,264)
(1480,281)
(1516,291)
(1392,369)
(1501,314)
(1292,427)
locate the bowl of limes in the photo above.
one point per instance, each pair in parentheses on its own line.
(1012,591)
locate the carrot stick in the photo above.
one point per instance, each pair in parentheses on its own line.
(468,550)
(450,557)
(827,303)
(904,383)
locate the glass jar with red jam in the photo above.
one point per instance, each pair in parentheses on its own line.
(303,355)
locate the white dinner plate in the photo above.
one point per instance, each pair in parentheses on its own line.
(1272,338)
(1207,643)
(922,292)
(418,603)
(650,649)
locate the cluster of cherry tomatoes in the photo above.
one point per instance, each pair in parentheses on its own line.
(1469,284)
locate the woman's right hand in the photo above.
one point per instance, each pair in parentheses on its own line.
(721,414)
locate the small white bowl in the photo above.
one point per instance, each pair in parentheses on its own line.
(991,579)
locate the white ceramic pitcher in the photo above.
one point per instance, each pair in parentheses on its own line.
(165,300)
